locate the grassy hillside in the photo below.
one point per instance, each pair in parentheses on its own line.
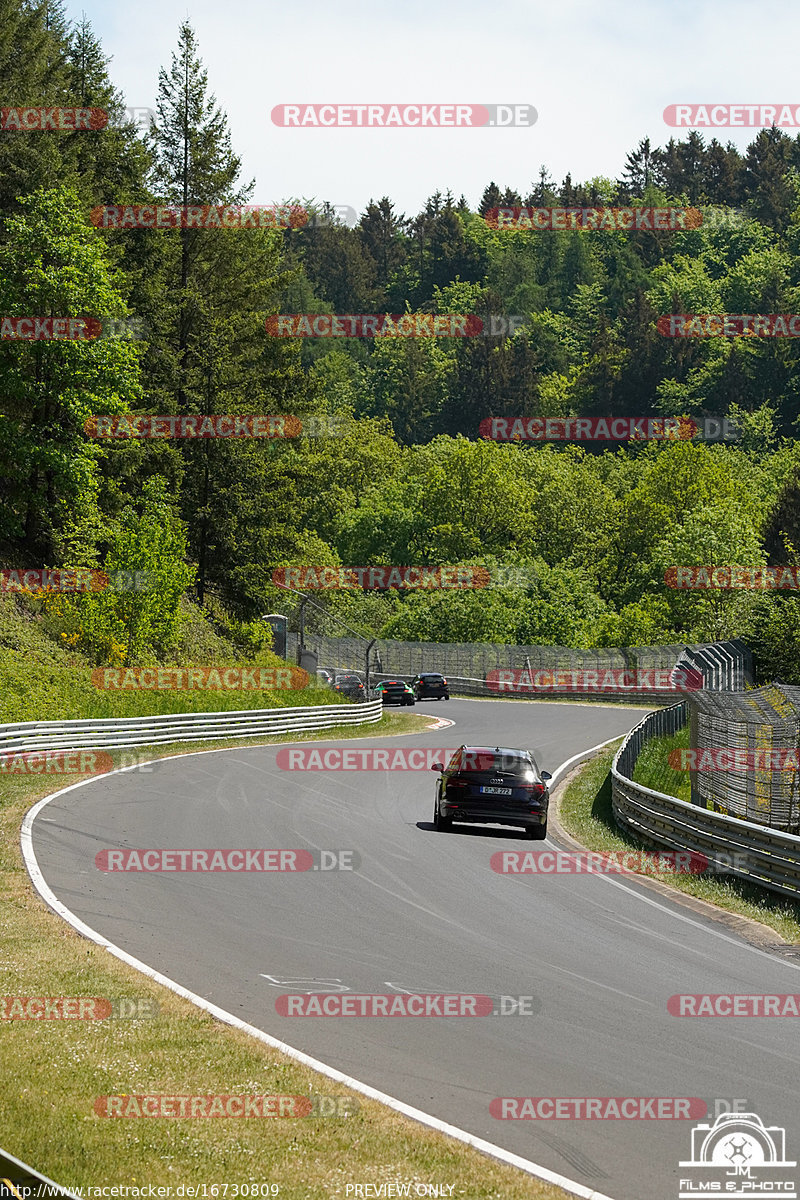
(42,678)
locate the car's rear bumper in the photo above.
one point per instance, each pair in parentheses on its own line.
(516,815)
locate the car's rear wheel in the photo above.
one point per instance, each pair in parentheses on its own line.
(439,822)
(537,833)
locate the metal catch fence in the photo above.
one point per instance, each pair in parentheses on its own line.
(473,669)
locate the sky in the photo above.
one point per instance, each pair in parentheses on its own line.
(599,75)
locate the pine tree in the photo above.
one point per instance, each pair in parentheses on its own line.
(767,163)
(543,194)
(637,175)
(33,73)
(109,164)
(492,198)
(382,234)
(216,288)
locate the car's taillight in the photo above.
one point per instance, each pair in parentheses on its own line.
(444,681)
(536,790)
(457,783)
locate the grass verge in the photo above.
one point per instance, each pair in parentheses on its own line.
(54,1070)
(653,770)
(585,812)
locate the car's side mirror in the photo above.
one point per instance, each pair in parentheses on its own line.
(545,775)
(437,767)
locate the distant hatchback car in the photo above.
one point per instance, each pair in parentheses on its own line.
(430,685)
(326,675)
(492,785)
(393,691)
(350,685)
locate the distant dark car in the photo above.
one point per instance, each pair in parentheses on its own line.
(430,685)
(326,675)
(350,685)
(490,785)
(393,691)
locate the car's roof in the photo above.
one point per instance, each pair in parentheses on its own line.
(431,675)
(513,751)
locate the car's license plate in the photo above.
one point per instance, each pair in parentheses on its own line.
(497,791)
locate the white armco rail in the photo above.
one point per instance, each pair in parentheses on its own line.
(181,727)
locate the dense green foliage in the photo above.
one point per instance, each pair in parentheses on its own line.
(409,480)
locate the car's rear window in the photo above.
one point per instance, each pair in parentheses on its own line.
(432,678)
(502,762)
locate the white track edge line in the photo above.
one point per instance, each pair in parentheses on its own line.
(416,1114)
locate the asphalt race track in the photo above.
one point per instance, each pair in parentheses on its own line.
(425,912)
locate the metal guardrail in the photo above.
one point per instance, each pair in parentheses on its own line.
(736,847)
(181,727)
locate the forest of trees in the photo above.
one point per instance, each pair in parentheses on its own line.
(408,479)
